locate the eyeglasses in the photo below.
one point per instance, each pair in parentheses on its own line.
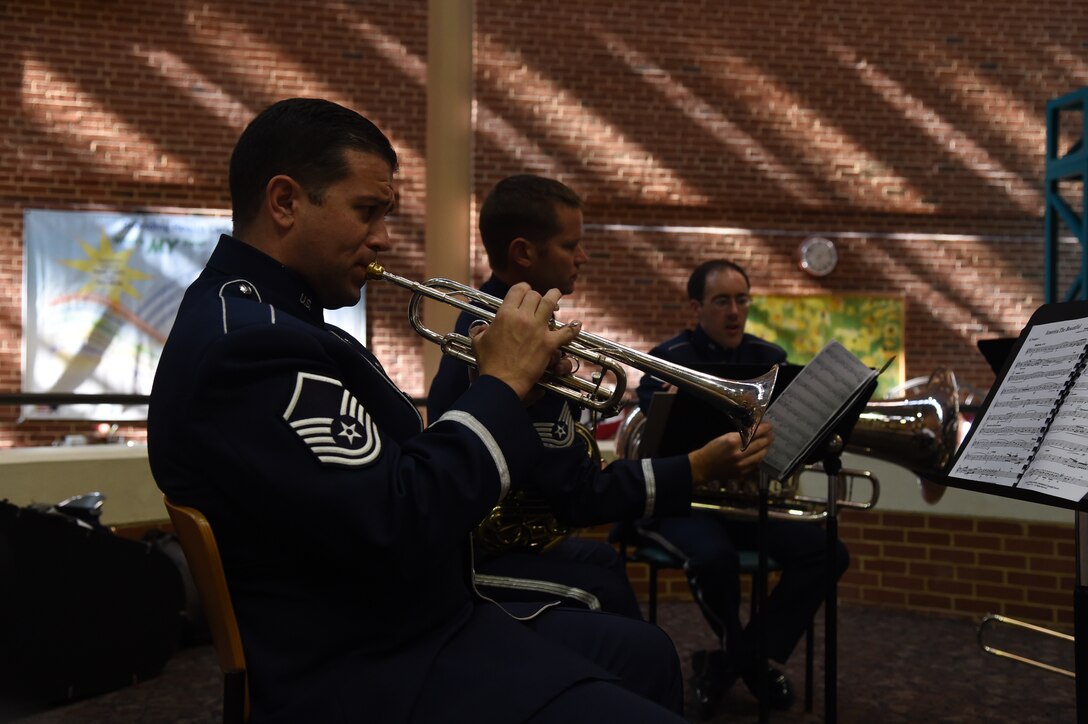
(725,302)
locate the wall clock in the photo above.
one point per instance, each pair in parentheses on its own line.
(817,256)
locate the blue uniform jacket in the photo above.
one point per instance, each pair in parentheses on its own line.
(342,523)
(692,347)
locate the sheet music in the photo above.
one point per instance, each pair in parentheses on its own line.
(1060,467)
(1004,441)
(805,408)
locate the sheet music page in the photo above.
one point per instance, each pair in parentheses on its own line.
(1060,467)
(1004,439)
(805,408)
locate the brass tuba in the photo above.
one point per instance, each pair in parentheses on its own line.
(920,431)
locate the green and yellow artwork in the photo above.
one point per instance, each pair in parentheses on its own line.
(869,326)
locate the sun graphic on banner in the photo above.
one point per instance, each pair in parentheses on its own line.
(109,271)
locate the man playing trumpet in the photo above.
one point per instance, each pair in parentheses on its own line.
(342,523)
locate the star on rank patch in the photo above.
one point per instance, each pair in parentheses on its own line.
(557,433)
(331,422)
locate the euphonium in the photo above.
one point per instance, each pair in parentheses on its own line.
(919,431)
(743,402)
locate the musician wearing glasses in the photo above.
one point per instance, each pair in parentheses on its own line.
(343,524)
(719,294)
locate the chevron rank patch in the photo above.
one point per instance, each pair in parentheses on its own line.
(557,433)
(331,422)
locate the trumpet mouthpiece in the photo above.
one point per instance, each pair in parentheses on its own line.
(374,270)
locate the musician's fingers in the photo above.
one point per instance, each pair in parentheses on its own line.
(566,334)
(477,328)
(563,366)
(515,297)
(548,303)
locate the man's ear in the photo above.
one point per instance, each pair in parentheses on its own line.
(522,253)
(282,197)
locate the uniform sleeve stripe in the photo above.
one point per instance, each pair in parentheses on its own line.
(651,487)
(530,584)
(489,442)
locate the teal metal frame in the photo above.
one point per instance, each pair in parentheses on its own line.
(1072,166)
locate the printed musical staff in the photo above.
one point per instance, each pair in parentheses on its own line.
(1034,434)
(802,413)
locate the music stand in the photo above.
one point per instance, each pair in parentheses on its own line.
(996,351)
(1048,313)
(828,451)
(680,422)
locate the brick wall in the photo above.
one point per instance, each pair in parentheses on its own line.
(136,106)
(913,133)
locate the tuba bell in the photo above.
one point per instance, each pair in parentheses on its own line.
(920,431)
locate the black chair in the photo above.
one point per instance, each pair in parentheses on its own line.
(637,548)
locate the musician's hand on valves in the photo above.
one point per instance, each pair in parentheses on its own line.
(723,459)
(519,344)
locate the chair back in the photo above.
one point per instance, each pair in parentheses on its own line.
(202,553)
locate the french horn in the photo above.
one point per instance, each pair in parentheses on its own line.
(523,521)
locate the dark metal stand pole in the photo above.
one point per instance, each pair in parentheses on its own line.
(833,467)
(760,595)
(1080,617)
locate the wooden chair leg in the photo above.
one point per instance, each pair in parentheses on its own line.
(234,697)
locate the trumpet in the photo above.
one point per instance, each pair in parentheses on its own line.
(743,402)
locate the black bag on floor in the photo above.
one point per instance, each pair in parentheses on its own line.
(82,611)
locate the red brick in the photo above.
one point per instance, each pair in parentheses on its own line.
(928,537)
(944,585)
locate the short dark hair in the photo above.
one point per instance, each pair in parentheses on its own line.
(522,205)
(697,280)
(304,138)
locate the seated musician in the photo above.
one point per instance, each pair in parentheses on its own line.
(532,231)
(719,294)
(343,524)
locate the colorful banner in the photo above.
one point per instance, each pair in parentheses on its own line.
(869,326)
(101,291)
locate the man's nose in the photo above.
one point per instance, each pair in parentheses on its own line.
(378,237)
